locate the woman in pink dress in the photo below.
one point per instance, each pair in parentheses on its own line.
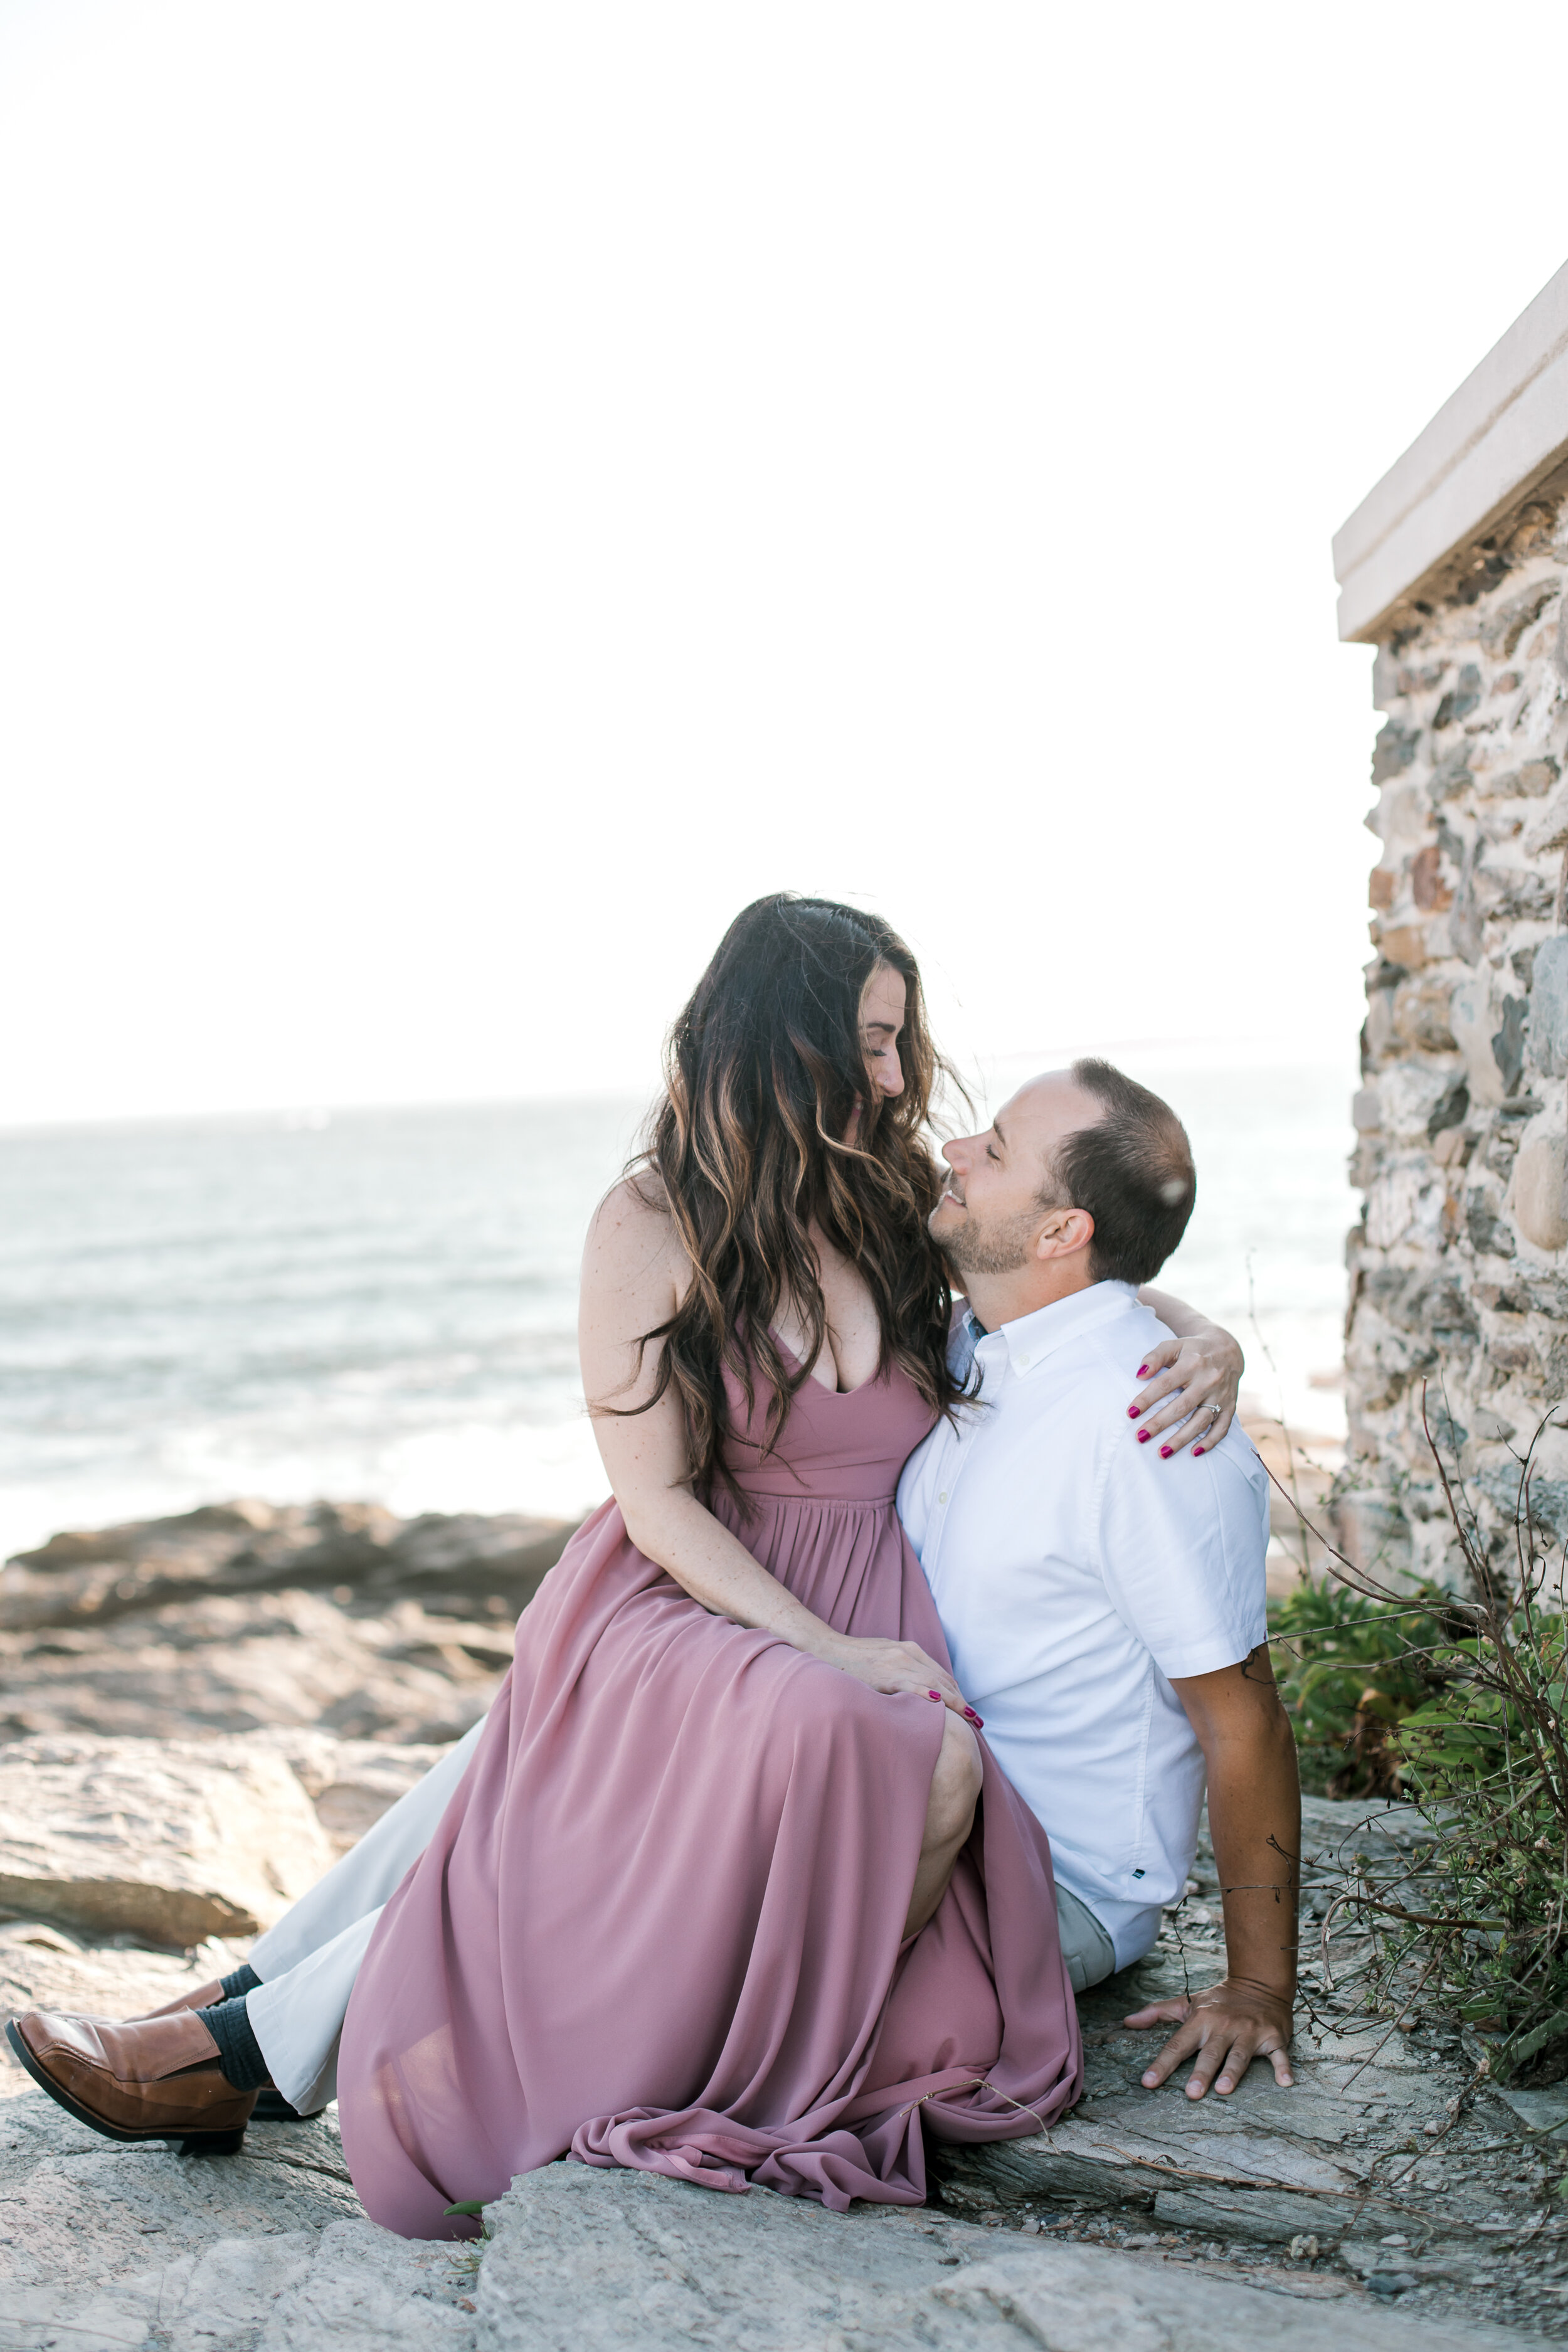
(732,1889)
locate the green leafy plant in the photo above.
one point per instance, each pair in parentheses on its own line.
(1461,1710)
(1485,1761)
(474,2208)
(1351,1668)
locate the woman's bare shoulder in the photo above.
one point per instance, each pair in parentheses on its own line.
(632,1235)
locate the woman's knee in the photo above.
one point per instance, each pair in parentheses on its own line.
(954,1784)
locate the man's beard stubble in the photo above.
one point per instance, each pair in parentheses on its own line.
(990,1249)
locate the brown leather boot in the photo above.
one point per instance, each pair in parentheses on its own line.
(158,2079)
(271,2106)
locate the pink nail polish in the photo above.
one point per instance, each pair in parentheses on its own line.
(1165,1453)
(1133,1411)
(980,1723)
(1142,1373)
(1144,1435)
(936,1695)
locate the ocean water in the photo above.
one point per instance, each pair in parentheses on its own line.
(382,1303)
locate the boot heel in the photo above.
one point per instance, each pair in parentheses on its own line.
(229,2143)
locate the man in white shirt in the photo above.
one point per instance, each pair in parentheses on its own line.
(1104,1606)
(1105,1618)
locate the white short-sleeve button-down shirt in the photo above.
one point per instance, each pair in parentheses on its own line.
(1076,1573)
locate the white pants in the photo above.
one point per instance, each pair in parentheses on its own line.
(309,1961)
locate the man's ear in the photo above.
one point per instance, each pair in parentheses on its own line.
(1065,1232)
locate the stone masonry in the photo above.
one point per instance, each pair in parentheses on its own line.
(1458,1270)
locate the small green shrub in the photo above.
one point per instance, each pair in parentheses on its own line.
(1485,1760)
(1351,1668)
(1458,1704)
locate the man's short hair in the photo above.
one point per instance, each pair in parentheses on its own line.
(1133,1172)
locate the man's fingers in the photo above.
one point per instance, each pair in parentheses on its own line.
(1221,2038)
(1206,2065)
(1181,2046)
(1250,2043)
(1238,2058)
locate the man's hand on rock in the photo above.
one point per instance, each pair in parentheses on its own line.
(1222,2029)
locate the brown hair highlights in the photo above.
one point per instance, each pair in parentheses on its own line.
(762,1072)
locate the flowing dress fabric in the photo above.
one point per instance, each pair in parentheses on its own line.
(659,1923)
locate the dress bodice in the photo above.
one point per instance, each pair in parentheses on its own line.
(836,1446)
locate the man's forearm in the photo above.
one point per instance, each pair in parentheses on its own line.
(1255,1821)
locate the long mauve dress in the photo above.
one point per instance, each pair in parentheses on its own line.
(659,1923)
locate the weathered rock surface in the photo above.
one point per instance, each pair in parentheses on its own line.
(168,1842)
(365,2290)
(224,1665)
(306,1693)
(172,1843)
(144,2250)
(250,1546)
(103,2246)
(351,1782)
(1458,1269)
(1383,2159)
(341,1618)
(584,2261)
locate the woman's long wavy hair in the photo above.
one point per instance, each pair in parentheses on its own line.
(757,1140)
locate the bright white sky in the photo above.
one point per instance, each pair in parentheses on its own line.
(485,489)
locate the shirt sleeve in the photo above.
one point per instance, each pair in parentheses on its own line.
(1183,1545)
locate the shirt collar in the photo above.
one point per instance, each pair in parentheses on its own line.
(1030,1338)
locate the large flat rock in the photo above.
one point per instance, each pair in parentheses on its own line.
(1393,2155)
(1267,2164)
(177,1843)
(586,2261)
(165,1841)
(363,2291)
(89,1576)
(351,1782)
(108,2249)
(337,1617)
(219,1664)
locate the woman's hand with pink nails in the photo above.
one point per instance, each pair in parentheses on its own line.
(891,1668)
(1187,1379)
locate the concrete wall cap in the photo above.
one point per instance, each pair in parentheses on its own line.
(1504,431)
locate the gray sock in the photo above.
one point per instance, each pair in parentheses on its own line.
(239,2052)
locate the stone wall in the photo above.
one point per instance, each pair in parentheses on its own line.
(1458,1271)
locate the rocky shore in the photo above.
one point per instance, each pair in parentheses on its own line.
(199,1712)
(340,1617)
